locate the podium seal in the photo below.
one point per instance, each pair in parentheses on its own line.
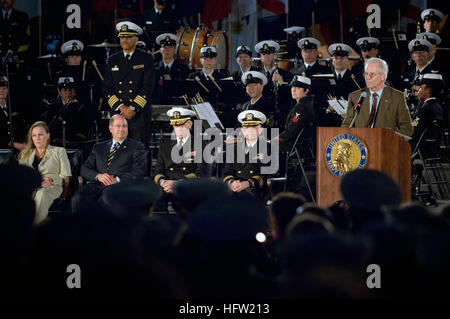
(344,153)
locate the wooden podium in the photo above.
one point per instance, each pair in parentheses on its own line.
(386,151)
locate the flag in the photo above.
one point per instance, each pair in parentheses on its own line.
(126,8)
(275,6)
(214,10)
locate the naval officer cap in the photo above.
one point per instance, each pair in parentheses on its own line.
(295,30)
(72,47)
(301,81)
(367,43)
(208,52)
(66,82)
(253,77)
(128,29)
(251,118)
(308,43)
(3,81)
(339,49)
(141,45)
(419,45)
(267,47)
(430,36)
(432,14)
(166,39)
(432,79)
(180,115)
(243,49)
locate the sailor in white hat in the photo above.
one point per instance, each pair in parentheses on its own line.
(309,50)
(128,83)
(246,177)
(254,82)
(169,169)
(294,31)
(431,19)
(244,60)
(435,40)
(208,59)
(72,51)
(429,116)
(340,53)
(267,50)
(169,67)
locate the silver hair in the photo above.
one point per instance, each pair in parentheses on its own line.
(382,65)
(115,116)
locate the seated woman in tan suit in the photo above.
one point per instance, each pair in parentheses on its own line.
(51,162)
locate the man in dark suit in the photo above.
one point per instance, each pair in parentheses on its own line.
(370,48)
(129,81)
(159,17)
(383,105)
(254,82)
(14,29)
(431,19)
(111,162)
(310,53)
(12,124)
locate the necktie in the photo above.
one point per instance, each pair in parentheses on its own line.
(372,112)
(112,153)
(180,144)
(308,67)
(6,15)
(167,70)
(127,57)
(4,110)
(268,75)
(340,76)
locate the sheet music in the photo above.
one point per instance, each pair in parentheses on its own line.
(339,106)
(205,112)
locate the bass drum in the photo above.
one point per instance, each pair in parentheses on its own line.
(191,41)
(219,40)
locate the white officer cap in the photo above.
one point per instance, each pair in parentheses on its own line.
(208,52)
(253,77)
(294,30)
(251,118)
(180,115)
(3,80)
(141,44)
(339,49)
(367,43)
(66,82)
(72,47)
(419,45)
(127,28)
(243,49)
(301,81)
(433,14)
(430,36)
(267,47)
(168,39)
(308,43)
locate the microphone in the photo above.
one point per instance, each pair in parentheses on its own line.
(358,107)
(360,101)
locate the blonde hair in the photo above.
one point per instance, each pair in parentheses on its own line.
(30,145)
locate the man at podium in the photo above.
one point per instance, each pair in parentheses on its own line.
(378,105)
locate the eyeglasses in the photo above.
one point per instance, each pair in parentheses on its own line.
(370,74)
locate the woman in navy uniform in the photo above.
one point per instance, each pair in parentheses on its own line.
(129,81)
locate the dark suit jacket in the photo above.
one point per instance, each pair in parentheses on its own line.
(14,32)
(130,160)
(178,70)
(315,69)
(392,111)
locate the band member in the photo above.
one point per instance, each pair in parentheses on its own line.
(254,82)
(208,59)
(168,169)
(72,53)
(244,60)
(342,75)
(370,48)
(431,19)
(428,117)
(420,54)
(12,125)
(129,81)
(66,118)
(267,50)
(169,68)
(309,49)
(436,63)
(301,117)
(245,176)
(294,35)
(383,106)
